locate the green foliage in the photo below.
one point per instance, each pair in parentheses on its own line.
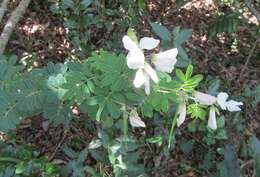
(187,146)
(255,146)
(230,165)
(76,167)
(161,31)
(189,82)
(253,95)
(227,22)
(93,23)
(197,111)
(23,161)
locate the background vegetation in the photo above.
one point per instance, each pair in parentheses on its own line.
(63,45)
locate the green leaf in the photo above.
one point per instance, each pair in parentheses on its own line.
(57,112)
(255,145)
(114,70)
(155,140)
(76,87)
(180,75)
(113,109)
(9,114)
(257,93)
(192,126)
(197,78)
(159,101)
(132,35)
(189,72)
(54,83)
(183,59)
(94,144)
(86,3)
(231,161)
(221,134)
(20,168)
(161,31)
(182,36)
(99,111)
(187,146)
(141,4)
(214,87)
(196,111)
(180,2)
(221,122)
(68,3)
(9,72)
(147,109)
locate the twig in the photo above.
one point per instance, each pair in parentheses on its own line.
(3,9)
(59,145)
(11,23)
(253,9)
(246,163)
(248,58)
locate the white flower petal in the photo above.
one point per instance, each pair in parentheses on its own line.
(140,78)
(204,99)
(129,44)
(182,112)
(222,100)
(166,60)
(148,43)
(151,72)
(135,120)
(234,105)
(147,85)
(135,59)
(212,122)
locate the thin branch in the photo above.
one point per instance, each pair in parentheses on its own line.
(3,9)
(253,9)
(249,162)
(248,58)
(11,23)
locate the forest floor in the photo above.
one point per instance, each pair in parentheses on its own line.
(41,36)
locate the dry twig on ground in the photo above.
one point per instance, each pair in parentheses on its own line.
(11,23)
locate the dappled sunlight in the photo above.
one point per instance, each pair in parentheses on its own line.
(162,88)
(200,4)
(49,39)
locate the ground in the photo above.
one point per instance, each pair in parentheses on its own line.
(41,36)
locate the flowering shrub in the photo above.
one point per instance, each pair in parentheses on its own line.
(109,89)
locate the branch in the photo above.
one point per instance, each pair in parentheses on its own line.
(3,9)
(11,23)
(253,9)
(248,58)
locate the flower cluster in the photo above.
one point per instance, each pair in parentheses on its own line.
(163,61)
(209,100)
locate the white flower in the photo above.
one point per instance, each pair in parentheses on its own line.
(212,122)
(230,105)
(136,60)
(135,57)
(182,114)
(166,60)
(142,77)
(135,120)
(148,43)
(204,99)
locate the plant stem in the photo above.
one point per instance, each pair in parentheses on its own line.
(125,126)
(174,121)
(9,159)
